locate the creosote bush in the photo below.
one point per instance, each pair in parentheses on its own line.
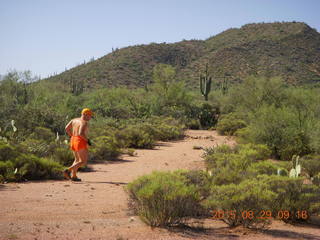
(15,165)
(164,198)
(229,124)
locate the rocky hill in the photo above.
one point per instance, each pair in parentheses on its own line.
(288,49)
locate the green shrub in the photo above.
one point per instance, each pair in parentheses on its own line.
(232,165)
(164,198)
(63,155)
(311,163)
(105,147)
(7,151)
(39,147)
(208,116)
(229,124)
(193,124)
(219,149)
(241,203)
(135,137)
(42,133)
(31,167)
(256,151)
(262,167)
(316,180)
(7,171)
(279,129)
(292,196)
(201,179)
(228,168)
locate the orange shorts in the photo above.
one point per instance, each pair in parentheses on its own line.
(77,143)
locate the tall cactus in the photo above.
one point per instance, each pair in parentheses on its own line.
(296,167)
(205,84)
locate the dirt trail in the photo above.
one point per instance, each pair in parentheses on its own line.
(96,208)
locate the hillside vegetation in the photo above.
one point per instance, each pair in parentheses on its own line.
(289,49)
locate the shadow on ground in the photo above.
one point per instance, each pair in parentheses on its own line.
(290,234)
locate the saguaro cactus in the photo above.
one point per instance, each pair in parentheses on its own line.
(296,167)
(205,84)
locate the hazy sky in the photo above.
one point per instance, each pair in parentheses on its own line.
(46,36)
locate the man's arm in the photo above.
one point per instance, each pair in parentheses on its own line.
(68,128)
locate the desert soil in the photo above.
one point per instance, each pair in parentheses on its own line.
(96,208)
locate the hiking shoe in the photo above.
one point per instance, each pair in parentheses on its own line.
(75,179)
(66,174)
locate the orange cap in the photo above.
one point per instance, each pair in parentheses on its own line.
(87,111)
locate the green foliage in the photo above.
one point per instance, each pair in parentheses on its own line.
(63,156)
(7,171)
(208,115)
(277,128)
(135,137)
(263,167)
(33,168)
(105,148)
(293,196)
(7,152)
(41,133)
(164,198)
(39,147)
(229,124)
(316,180)
(256,151)
(311,163)
(249,195)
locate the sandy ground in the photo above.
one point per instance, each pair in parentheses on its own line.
(96,208)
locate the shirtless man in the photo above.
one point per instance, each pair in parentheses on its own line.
(77,129)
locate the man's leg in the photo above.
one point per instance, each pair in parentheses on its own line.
(76,160)
(82,156)
(69,170)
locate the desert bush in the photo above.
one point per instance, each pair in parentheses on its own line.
(229,124)
(42,133)
(228,168)
(311,163)
(245,154)
(256,151)
(292,195)
(201,179)
(7,151)
(193,124)
(167,129)
(232,165)
(224,148)
(39,147)
(105,147)
(7,171)
(164,198)
(135,137)
(31,167)
(316,180)
(279,129)
(208,115)
(62,155)
(240,204)
(262,167)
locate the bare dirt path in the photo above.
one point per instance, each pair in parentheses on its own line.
(96,208)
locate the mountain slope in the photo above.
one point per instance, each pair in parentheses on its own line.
(290,50)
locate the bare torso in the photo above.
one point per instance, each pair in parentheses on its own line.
(78,127)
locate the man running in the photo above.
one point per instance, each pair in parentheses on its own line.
(77,129)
